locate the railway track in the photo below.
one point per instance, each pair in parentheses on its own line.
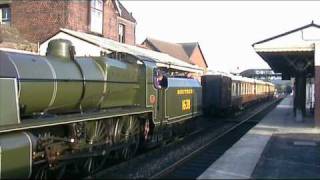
(190,156)
(195,163)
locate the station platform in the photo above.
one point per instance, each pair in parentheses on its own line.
(278,147)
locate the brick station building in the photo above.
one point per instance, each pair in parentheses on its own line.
(38,20)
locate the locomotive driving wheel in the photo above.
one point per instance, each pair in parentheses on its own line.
(41,173)
(130,135)
(45,172)
(96,132)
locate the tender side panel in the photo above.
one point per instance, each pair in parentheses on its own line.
(183,98)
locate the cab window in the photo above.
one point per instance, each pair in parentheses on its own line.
(160,81)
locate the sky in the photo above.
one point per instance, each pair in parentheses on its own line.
(225,30)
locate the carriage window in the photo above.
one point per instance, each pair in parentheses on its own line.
(242,89)
(247,88)
(233,89)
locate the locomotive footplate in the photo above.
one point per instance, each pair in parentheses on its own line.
(67,119)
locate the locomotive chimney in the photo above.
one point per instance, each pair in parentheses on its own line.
(61,48)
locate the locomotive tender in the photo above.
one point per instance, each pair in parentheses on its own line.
(63,113)
(60,112)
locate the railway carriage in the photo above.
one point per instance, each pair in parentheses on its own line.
(224,93)
(60,113)
(216,91)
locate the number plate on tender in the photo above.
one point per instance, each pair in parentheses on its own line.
(186,104)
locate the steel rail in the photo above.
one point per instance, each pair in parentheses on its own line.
(203,147)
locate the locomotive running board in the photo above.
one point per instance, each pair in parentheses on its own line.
(74,118)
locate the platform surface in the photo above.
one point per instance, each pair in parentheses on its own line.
(280,146)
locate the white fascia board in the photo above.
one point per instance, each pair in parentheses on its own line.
(284,49)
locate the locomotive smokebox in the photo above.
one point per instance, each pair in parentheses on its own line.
(61,48)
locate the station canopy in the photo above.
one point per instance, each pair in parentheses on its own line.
(291,51)
(109,46)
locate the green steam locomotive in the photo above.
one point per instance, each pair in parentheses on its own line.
(63,113)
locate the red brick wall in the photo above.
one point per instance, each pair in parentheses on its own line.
(197,58)
(110,28)
(78,16)
(111,24)
(129,31)
(37,20)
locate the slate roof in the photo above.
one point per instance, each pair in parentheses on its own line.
(189,47)
(181,51)
(124,13)
(173,49)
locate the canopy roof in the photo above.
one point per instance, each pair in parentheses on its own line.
(162,59)
(291,51)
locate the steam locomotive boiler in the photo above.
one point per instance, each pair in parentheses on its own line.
(63,113)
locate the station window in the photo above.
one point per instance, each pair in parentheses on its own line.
(122,33)
(96,14)
(5,13)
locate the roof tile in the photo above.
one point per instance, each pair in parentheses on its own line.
(125,13)
(181,51)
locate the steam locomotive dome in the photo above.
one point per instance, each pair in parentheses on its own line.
(60,83)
